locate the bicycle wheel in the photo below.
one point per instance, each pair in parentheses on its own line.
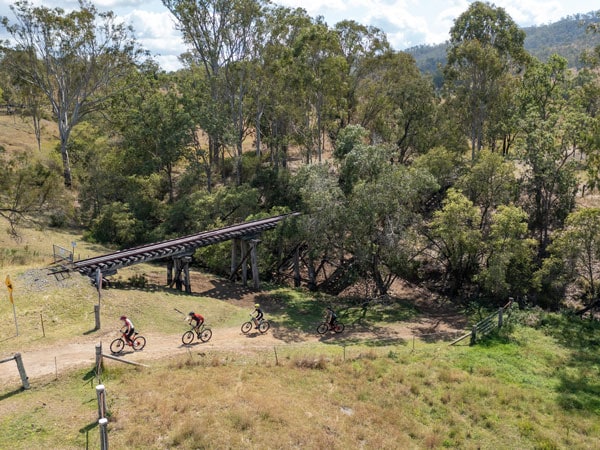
(139,343)
(206,335)
(116,346)
(187,337)
(246,326)
(264,326)
(322,328)
(338,327)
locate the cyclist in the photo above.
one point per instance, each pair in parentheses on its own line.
(259,315)
(330,316)
(195,320)
(129,329)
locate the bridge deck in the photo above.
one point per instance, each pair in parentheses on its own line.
(175,247)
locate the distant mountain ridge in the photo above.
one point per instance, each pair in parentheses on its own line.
(567,37)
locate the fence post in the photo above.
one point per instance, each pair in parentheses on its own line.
(21,367)
(474,335)
(101,395)
(103,433)
(97,316)
(500,317)
(98,360)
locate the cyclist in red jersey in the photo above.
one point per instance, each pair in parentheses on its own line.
(195,319)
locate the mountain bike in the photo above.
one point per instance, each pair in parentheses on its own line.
(138,342)
(324,327)
(263,325)
(202,333)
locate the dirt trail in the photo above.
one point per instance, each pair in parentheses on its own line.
(61,357)
(53,359)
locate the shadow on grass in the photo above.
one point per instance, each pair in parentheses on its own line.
(89,375)
(89,427)
(221,290)
(579,387)
(11,393)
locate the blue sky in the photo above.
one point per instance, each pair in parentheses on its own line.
(406,22)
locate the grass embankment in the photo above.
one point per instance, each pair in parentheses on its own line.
(534,386)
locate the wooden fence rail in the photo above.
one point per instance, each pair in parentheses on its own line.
(486,325)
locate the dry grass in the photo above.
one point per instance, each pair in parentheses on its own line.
(370,402)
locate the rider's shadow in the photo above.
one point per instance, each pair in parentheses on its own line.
(193,344)
(126,352)
(252,334)
(329,337)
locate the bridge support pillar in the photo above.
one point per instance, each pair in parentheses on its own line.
(254,262)
(247,251)
(169,272)
(235,244)
(182,273)
(244,262)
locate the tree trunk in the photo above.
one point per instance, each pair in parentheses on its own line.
(65,159)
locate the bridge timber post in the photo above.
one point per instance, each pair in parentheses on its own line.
(244,262)
(254,262)
(248,249)
(181,264)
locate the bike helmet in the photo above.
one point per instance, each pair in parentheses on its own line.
(256,305)
(191,313)
(123,317)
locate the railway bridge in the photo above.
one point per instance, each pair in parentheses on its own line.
(178,253)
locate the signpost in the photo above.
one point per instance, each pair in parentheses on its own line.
(10,298)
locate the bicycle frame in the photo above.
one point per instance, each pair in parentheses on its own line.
(198,329)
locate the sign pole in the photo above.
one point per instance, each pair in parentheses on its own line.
(10,298)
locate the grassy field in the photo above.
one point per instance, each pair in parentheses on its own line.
(534,386)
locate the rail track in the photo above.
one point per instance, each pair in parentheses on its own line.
(178,247)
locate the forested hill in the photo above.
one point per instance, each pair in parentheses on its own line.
(567,37)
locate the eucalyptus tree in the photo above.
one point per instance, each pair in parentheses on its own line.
(319,78)
(155,128)
(456,240)
(275,99)
(485,44)
(502,128)
(506,267)
(29,100)
(489,183)
(321,227)
(587,95)
(383,221)
(223,35)
(206,119)
(397,104)
(74,58)
(551,127)
(359,44)
(29,193)
(383,212)
(574,255)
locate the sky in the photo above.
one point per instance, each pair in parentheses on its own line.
(407,23)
